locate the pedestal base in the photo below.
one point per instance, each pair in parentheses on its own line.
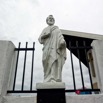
(50,93)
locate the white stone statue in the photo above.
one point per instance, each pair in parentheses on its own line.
(54,51)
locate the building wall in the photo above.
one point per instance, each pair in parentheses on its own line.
(69,99)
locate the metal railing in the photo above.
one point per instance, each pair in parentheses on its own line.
(73,48)
(77,49)
(18,50)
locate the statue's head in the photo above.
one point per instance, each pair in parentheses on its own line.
(50,20)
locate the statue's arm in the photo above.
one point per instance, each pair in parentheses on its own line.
(62,43)
(45,35)
(42,37)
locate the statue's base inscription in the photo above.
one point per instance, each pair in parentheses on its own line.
(51,92)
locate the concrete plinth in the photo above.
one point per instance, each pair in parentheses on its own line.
(50,85)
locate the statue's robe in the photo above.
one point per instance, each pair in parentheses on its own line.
(54,53)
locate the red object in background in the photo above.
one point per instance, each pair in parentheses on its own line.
(77,91)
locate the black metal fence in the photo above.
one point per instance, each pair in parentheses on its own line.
(80,51)
(18,50)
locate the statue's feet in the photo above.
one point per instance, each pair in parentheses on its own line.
(53,80)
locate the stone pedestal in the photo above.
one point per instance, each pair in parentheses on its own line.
(50,92)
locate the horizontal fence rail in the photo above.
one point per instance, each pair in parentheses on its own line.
(76,48)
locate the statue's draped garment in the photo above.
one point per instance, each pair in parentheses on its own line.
(54,53)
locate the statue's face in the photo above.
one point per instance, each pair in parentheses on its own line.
(50,20)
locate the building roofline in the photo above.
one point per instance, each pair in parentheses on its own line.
(82,34)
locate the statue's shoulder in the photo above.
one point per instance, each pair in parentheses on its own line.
(54,27)
(46,28)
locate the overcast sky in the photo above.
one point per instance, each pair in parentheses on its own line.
(24,20)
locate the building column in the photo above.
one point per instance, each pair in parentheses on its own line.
(97,53)
(6,58)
